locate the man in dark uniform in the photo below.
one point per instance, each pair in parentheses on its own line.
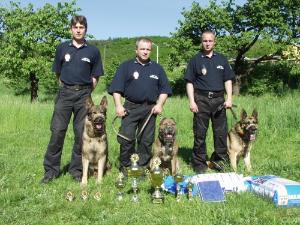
(145,87)
(208,74)
(78,67)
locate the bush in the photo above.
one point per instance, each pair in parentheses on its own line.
(273,78)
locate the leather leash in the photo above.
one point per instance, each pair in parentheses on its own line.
(221,107)
(126,138)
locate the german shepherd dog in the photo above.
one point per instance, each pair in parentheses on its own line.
(165,146)
(240,138)
(94,141)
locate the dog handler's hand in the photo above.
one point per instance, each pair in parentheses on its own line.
(228,104)
(193,107)
(120,111)
(157,109)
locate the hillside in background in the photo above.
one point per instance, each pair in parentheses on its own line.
(120,49)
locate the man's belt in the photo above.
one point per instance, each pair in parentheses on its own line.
(139,103)
(210,94)
(77,87)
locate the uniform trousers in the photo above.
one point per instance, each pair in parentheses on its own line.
(68,101)
(207,107)
(131,125)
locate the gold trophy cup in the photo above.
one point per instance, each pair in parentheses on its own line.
(157,177)
(120,184)
(135,171)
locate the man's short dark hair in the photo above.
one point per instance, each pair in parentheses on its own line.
(79,19)
(208,32)
(144,39)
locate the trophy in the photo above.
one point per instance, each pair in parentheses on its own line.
(84,195)
(70,196)
(156,177)
(134,172)
(178,178)
(120,184)
(190,190)
(97,196)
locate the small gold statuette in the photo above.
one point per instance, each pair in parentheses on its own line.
(70,196)
(120,184)
(135,171)
(178,178)
(190,190)
(84,195)
(97,196)
(157,177)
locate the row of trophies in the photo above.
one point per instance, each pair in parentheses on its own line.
(156,177)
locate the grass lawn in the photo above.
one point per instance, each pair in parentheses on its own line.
(24,135)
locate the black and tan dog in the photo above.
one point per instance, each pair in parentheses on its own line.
(94,141)
(165,146)
(240,138)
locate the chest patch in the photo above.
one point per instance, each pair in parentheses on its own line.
(220,67)
(136,75)
(204,70)
(154,77)
(86,59)
(67,57)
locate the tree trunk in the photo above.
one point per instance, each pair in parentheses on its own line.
(237,85)
(34,86)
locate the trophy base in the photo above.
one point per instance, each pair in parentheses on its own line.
(157,197)
(135,199)
(157,200)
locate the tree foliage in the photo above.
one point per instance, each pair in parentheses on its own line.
(238,29)
(28,42)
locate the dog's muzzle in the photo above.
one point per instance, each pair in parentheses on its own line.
(252,132)
(169,133)
(98,123)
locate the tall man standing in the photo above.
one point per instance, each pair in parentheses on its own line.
(145,87)
(208,75)
(78,66)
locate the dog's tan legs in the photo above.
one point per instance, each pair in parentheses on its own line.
(233,161)
(101,168)
(85,168)
(174,165)
(248,162)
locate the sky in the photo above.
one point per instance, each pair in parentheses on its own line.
(128,18)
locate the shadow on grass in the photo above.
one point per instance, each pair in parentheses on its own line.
(185,154)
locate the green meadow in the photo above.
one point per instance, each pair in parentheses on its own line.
(24,135)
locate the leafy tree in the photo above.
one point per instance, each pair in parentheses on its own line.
(238,28)
(28,41)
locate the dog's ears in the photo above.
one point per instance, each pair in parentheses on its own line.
(104,101)
(243,114)
(173,120)
(89,103)
(255,114)
(162,120)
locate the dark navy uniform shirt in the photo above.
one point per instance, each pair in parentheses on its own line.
(77,66)
(208,74)
(140,83)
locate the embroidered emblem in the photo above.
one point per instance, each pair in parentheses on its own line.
(203,70)
(220,67)
(136,75)
(154,76)
(86,59)
(67,57)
